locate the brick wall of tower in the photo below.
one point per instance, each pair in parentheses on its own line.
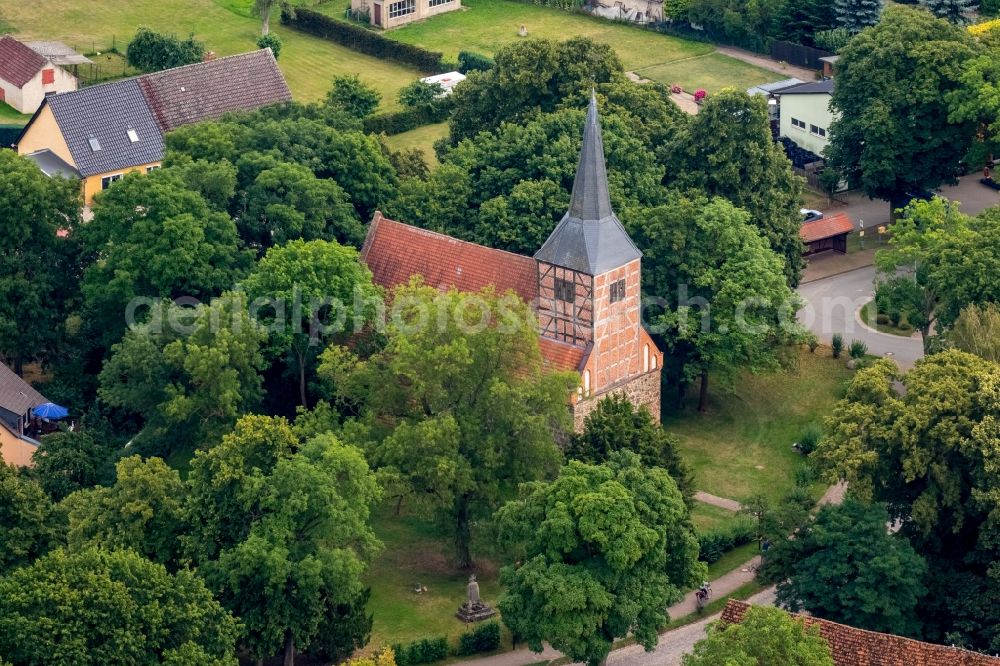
(617,354)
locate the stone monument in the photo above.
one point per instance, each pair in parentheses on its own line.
(473,610)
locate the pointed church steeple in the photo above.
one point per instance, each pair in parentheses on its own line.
(589,239)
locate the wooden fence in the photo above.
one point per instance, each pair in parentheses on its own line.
(797,54)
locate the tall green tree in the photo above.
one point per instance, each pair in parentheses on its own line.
(95,607)
(724,302)
(893,133)
(928,452)
(304,552)
(727,151)
(765,636)
(36,265)
(529,76)
(952,259)
(977,100)
(955,11)
(307,294)
(31,525)
(844,566)
(141,512)
(187,373)
(289,202)
(977,331)
(68,461)
(856,15)
(800,20)
(152,237)
(618,425)
(262,8)
(444,402)
(351,94)
(602,551)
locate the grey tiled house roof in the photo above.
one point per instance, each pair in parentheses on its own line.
(590,239)
(104,114)
(96,121)
(16,395)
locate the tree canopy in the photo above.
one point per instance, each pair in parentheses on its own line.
(95,607)
(31,525)
(893,133)
(444,402)
(602,551)
(844,566)
(765,636)
(928,455)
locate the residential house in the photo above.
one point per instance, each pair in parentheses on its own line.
(394,13)
(100,133)
(17,398)
(583,283)
(858,647)
(26,77)
(805,114)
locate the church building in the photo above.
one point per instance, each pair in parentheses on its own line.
(584,285)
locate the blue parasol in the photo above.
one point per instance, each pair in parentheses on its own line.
(51,411)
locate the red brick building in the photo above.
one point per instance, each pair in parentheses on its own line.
(584,284)
(858,647)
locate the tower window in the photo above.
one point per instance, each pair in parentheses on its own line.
(618,290)
(565,290)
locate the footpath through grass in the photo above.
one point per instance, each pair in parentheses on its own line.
(225,26)
(742,445)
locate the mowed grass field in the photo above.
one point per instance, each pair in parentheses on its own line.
(742,445)
(308,63)
(712,71)
(423,139)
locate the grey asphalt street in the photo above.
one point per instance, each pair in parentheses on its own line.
(832,305)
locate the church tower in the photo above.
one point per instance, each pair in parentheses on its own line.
(589,289)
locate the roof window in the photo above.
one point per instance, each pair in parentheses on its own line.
(95,145)
(132,135)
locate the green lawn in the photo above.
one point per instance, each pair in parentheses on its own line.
(869,314)
(416,552)
(308,63)
(10,116)
(422,138)
(709,517)
(742,445)
(713,72)
(484,25)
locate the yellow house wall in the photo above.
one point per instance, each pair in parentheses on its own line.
(44,134)
(14,450)
(92,184)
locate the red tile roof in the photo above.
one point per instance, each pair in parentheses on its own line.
(858,647)
(395,251)
(18,63)
(828,227)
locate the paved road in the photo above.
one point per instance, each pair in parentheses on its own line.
(832,305)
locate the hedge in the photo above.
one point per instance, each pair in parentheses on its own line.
(421,652)
(398,122)
(9,134)
(469,61)
(713,544)
(484,638)
(360,39)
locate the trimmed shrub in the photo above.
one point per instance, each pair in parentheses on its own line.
(469,61)
(809,439)
(404,121)
(837,344)
(883,319)
(360,39)
(421,652)
(270,41)
(858,349)
(484,638)
(151,52)
(713,544)
(813,343)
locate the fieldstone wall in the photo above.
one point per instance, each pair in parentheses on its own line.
(643,390)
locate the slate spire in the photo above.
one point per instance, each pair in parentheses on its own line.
(589,239)
(590,199)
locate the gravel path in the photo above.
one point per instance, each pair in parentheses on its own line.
(764,62)
(715,500)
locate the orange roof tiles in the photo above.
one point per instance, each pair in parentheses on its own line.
(394,252)
(827,227)
(858,647)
